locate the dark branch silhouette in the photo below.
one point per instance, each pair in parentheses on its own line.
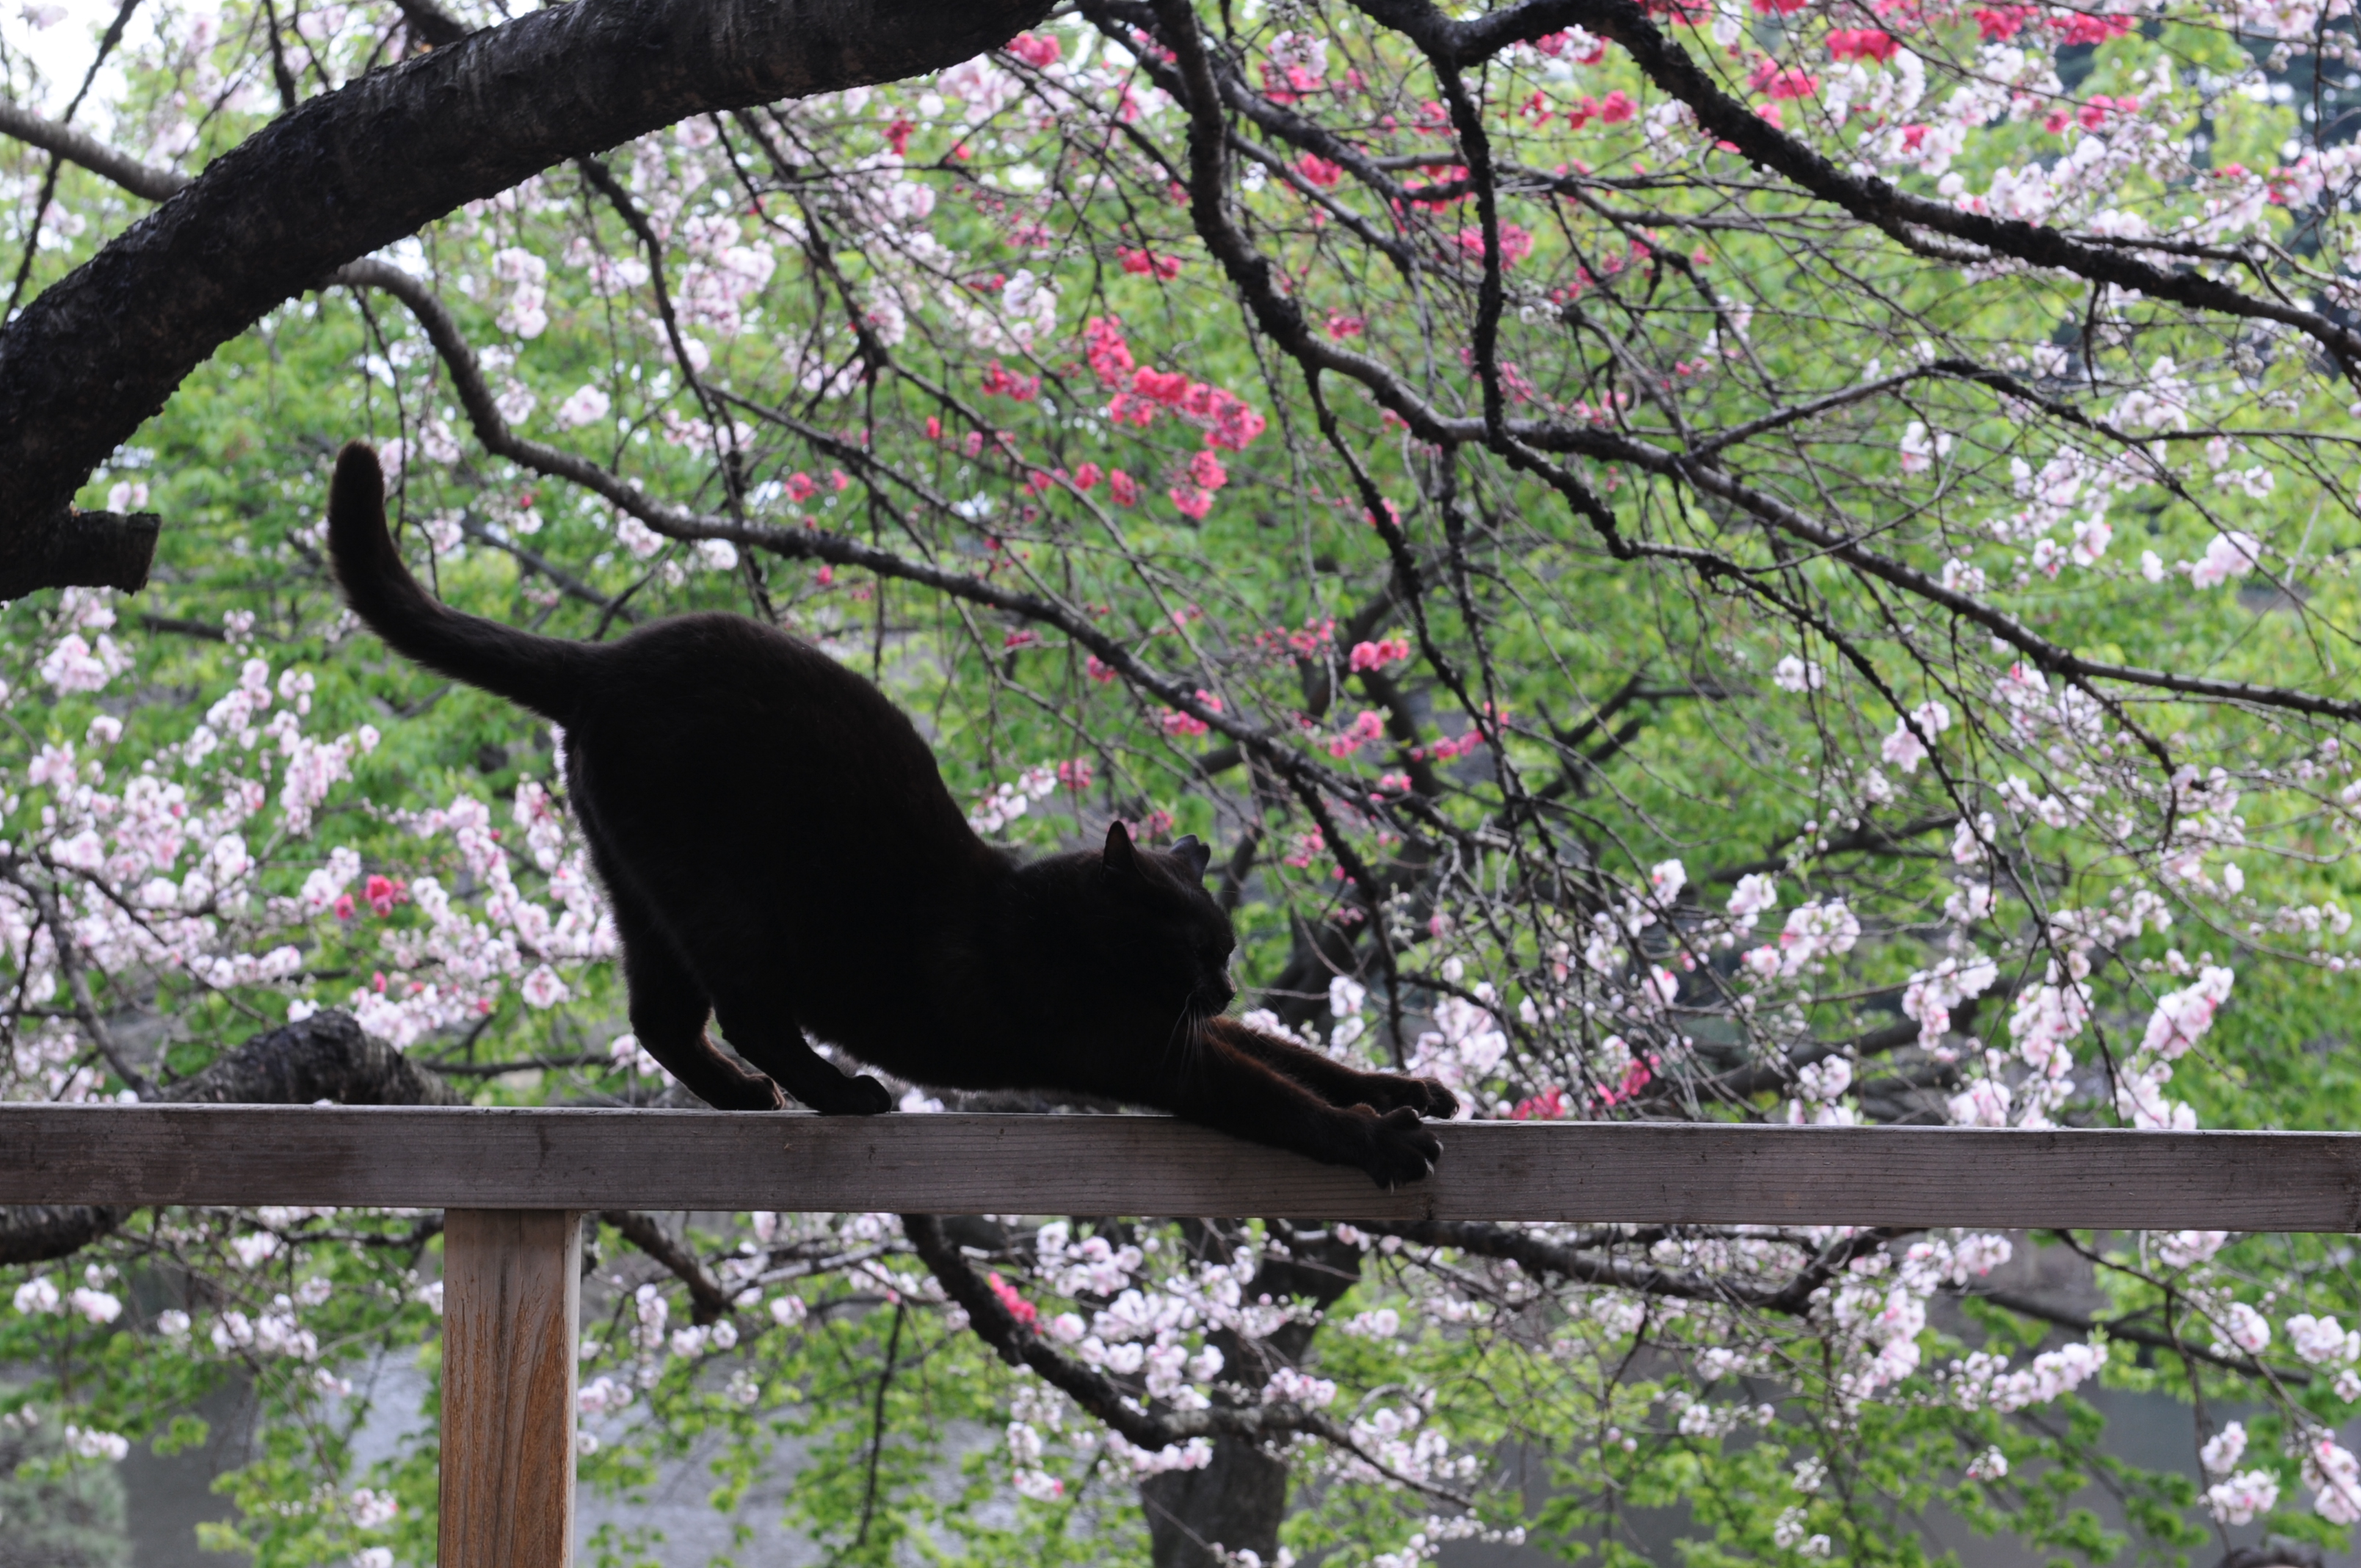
(350,171)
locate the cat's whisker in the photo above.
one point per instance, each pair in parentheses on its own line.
(1186,1035)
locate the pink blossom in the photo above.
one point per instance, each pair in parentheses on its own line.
(2246,1328)
(1754,893)
(1178,723)
(1551,1104)
(384,893)
(542,988)
(1039,50)
(76,665)
(2332,1472)
(1147,263)
(584,405)
(1023,1312)
(54,766)
(2242,1496)
(2322,1339)
(999,382)
(1792,81)
(2228,555)
(1109,355)
(2181,1017)
(1862,43)
(1366,726)
(1516,243)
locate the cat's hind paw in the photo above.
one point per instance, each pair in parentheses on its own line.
(1401,1150)
(863,1096)
(743,1092)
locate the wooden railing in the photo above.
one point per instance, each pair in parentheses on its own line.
(515,1183)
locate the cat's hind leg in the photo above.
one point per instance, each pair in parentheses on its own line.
(761,1030)
(1226,1088)
(1335,1081)
(668,1012)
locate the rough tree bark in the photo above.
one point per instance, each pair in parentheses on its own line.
(325,1056)
(353,170)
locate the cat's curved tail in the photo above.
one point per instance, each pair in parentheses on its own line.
(547,675)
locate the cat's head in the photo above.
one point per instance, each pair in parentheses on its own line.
(1167,941)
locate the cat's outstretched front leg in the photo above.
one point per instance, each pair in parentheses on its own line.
(1335,1081)
(1226,1087)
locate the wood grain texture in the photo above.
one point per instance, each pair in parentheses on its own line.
(1647,1172)
(511,1292)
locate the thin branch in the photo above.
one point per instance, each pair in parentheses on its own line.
(89,152)
(1099,1394)
(711,1303)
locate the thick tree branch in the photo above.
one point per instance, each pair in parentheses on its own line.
(325,1056)
(352,170)
(437,27)
(67,546)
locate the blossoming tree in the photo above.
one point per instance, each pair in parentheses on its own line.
(1757,560)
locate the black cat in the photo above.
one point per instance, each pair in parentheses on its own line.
(779,849)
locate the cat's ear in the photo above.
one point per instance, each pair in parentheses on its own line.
(1119,858)
(1194,855)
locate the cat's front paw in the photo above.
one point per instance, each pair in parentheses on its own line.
(1387,1091)
(1440,1102)
(863,1096)
(1400,1151)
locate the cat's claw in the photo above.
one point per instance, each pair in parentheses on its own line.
(1401,1151)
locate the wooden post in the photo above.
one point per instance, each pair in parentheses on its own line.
(511,1294)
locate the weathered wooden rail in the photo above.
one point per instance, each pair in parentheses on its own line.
(515,1183)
